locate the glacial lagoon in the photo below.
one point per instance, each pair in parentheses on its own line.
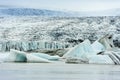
(58,71)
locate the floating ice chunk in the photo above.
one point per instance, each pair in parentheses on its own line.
(17,56)
(115,56)
(107,42)
(98,47)
(33,58)
(3,57)
(46,56)
(100,59)
(80,51)
(56,57)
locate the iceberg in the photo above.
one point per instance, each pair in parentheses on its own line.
(3,57)
(46,56)
(20,56)
(107,41)
(97,47)
(86,52)
(36,59)
(115,56)
(81,51)
(100,59)
(16,56)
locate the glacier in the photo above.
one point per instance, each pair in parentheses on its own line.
(30,45)
(34,28)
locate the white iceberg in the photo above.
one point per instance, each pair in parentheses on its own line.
(100,59)
(36,59)
(19,56)
(81,51)
(16,56)
(107,42)
(86,52)
(115,56)
(46,56)
(97,47)
(3,56)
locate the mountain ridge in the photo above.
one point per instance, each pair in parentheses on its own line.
(34,12)
(17,11)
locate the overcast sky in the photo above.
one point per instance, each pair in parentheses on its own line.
(72,5)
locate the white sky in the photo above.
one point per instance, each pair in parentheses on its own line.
(73,5)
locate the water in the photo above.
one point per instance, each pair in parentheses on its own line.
(58,71)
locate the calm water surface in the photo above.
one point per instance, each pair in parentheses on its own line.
(58,71)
